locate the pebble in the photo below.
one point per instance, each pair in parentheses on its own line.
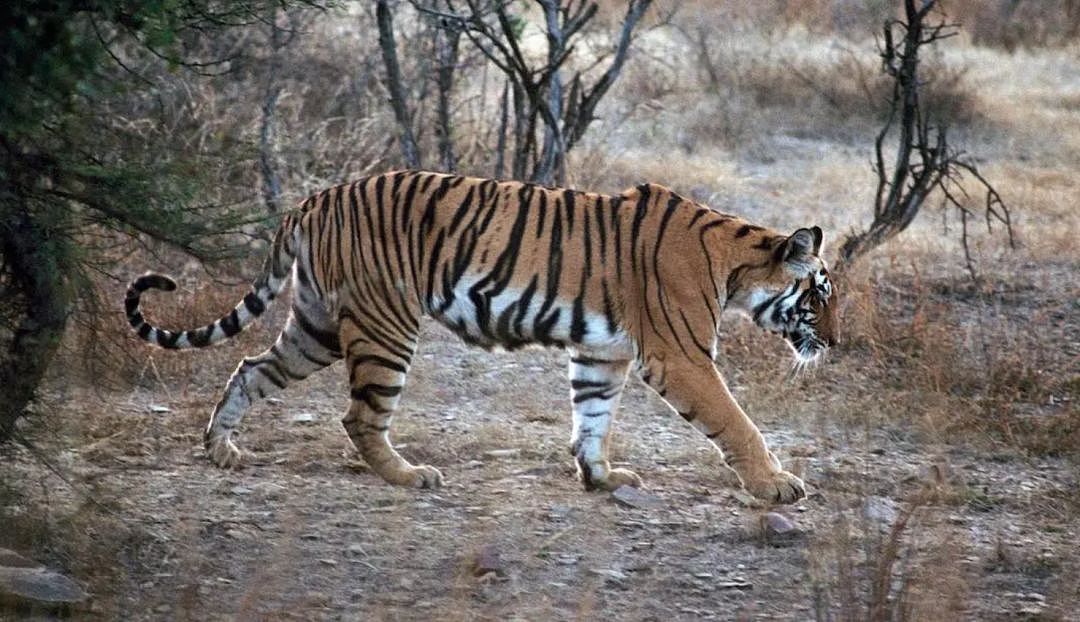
(502,453)
(735,585)
(38,585)
(880,509)
(609,574)
(637,498)
(778,527)
(488,560)
(14,560)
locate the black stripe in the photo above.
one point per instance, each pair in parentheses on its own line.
(230,324)
(589,361)
(745,230)
(588,384)
(585,396)
(577,319)
(254,304)
(609,311)
(381,361)
(639,216)
(201,337)
(167,338)
(327,339)
(568,202)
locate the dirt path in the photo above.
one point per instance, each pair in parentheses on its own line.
(305,532)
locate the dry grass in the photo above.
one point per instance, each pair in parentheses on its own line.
(771,116)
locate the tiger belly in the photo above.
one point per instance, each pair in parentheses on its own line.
(511,319)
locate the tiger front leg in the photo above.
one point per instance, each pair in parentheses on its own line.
(595,388)
(700,396)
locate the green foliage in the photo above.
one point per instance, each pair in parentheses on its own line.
(78,188)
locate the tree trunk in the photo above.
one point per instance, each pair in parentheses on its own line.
(446,42)
(271,178)
(500,145)
(30,258)
(385,19)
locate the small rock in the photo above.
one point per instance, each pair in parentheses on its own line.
(356,549)
(1031,597)
(328,562)
(880,509)
(159,409)
(241,490)
(609,574)
(735,585)
(303,418)
(38,585)
(163,608)
(747,499)
(502,453)
(14,560)
(779,528)
(558,512)
(636,498)
(486,561)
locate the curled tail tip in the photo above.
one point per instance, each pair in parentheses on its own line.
(152,280)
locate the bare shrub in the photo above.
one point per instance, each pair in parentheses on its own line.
(935,343)
(810,82)
(1012,25)
(878,563)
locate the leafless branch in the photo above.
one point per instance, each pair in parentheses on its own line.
(924,161)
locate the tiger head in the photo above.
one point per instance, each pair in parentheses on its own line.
(791,294)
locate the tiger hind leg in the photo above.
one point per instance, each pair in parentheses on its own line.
(307,343)
(595,387)
(378,358)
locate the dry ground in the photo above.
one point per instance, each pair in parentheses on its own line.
(940,441)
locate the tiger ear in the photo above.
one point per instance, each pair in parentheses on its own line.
(802,245)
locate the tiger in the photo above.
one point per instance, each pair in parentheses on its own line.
(635,281)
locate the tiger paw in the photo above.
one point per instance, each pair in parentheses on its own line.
(620,477)
(223,452)
(422,476)
(778,487)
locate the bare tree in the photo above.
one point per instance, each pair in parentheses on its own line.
(384,17)
(280,38)
(924,160)
(447,40)
(539,99)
